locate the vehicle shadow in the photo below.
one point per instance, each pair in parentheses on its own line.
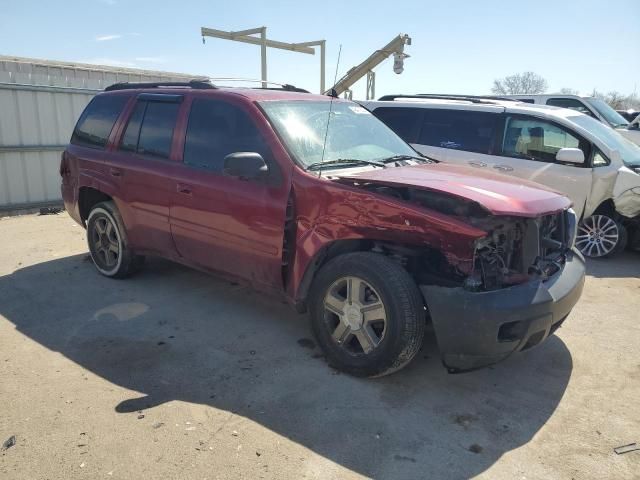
(177,334)
(623,265)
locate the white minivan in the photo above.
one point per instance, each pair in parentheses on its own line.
(557,147)
(592,106)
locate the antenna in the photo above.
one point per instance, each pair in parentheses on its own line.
(333,95)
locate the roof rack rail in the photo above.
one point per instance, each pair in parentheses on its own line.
(197,84)
(427,96)
(280,86)
(289,88)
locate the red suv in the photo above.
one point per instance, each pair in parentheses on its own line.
(314,199)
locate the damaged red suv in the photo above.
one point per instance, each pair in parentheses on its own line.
(316,200)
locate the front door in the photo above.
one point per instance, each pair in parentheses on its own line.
(223,223)
(529,148)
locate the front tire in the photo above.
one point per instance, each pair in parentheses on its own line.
(107,241)
(367,314)
(601,236)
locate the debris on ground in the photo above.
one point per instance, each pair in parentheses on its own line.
(234,433)
(9,442)
(627,448)
(50,210)
(404,458)
(158,425)
(475,448)
(141,416)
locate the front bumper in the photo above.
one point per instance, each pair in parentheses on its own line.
(476,329)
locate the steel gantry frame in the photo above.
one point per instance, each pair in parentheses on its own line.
(249,36)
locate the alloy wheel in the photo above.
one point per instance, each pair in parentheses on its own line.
(105,242)
(355,315)
(598,236)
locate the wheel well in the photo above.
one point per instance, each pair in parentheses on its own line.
(424,264)
(606,208)
(332,250)
(88,198)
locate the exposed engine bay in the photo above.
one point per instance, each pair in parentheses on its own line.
(514,251)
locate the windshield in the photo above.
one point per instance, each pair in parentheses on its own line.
(629,151)
(353,133)
(609,114)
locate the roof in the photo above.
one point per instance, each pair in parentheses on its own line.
(546,95)
(489,106)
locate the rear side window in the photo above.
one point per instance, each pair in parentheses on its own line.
(132,133)
(571,103)
(215,130)
(459,129)
(405,122)
(97,120)
(150,129)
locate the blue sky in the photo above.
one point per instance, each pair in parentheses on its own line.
(458,46)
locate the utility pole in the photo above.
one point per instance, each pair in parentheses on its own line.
(249,36)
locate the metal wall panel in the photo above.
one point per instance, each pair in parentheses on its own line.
(40,102)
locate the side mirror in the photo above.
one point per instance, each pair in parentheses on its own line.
(245,165)
(570,155)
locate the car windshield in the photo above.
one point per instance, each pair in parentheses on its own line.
(629,151)
(609,114)
(353,133)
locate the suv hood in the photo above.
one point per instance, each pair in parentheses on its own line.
(499,194)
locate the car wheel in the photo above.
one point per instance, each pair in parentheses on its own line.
(601,236)
(107,240)
(367,314)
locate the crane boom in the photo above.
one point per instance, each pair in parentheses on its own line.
(394,47)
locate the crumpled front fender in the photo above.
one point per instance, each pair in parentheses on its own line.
(626,193)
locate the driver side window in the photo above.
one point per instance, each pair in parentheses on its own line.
(534,139)
(215,130)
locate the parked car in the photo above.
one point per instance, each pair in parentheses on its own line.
(629,115)
(591,106)
(316,200)
(561,148)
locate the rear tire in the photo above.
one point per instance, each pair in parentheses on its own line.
(108,244)
(367,314)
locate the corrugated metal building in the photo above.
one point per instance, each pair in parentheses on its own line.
(40,101)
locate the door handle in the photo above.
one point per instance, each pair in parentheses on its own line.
(183,189)
(115,172)
(503,168)
(477,164)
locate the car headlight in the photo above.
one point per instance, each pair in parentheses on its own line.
(572,227)
(636,169)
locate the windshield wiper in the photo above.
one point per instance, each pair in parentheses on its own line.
(345,162)
(396,158)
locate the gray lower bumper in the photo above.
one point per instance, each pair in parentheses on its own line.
(476,329)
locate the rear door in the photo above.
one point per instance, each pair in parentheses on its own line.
(223,223)
(464,137)
(528,149)
(142,163)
